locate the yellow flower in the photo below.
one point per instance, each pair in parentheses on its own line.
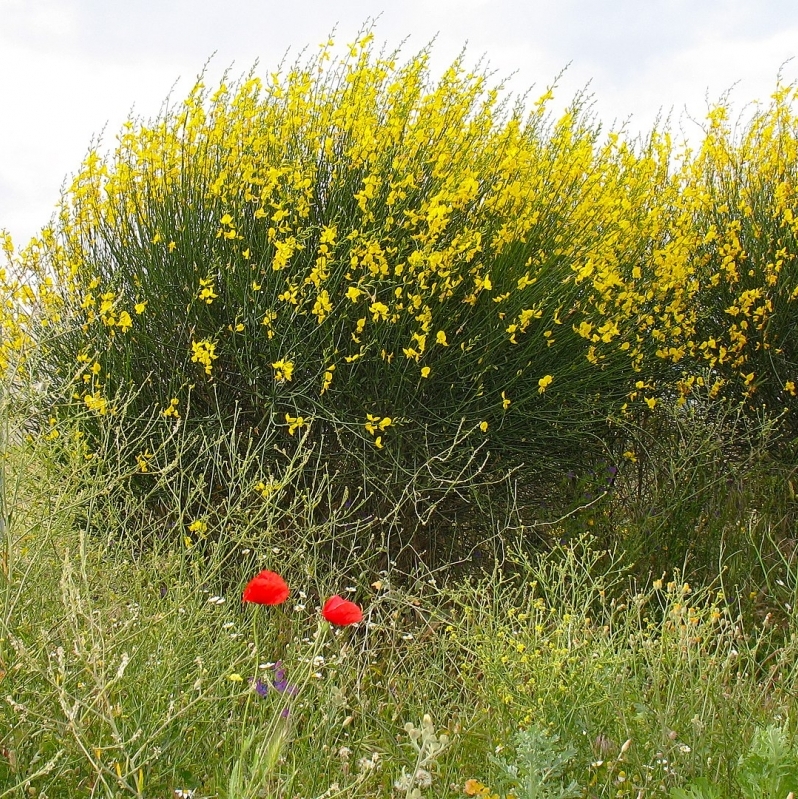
(353,293)
(267,489)
(327,380)
(124,321)
(204,353)
(94,402)
(171,409)
(295,423)
(235,678)
(206,292)
(322,306)
(140,306)
(483,426)
(198,526)
(143,460)
(544,383)
(505,402)
(425,370)
(283,370)
(374,423)
(651,402)
(440,338)
(379,310)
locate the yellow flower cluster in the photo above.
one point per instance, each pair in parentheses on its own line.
(204,353)
(375,426)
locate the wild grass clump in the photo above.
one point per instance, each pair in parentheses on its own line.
(133,671)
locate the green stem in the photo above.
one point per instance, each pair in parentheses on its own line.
(257,670)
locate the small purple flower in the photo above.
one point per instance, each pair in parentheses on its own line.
(281,683)
(613,470)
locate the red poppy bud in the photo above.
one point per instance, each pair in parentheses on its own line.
(341,611)
(267,588)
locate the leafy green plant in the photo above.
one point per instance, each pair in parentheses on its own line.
(768,771)
(538,767)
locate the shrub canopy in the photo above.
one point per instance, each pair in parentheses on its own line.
(406,268)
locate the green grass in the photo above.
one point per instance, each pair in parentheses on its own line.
(125,674)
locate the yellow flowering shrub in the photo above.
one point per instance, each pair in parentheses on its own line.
(347,239)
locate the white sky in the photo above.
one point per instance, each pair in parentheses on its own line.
(71,68)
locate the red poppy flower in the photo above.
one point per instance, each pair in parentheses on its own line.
(341,611)
(267,588)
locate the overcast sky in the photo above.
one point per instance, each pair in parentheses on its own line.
(70,69)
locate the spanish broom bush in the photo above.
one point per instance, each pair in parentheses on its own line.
(429,282)
(387,265)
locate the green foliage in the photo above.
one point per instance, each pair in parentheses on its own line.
(348,247)
(126,671)
(537,769)
(430,283)
(768,771)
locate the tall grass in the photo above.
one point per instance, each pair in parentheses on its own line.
(127,669)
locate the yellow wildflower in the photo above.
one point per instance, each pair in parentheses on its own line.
(322,306)
(328,376)
(204,353)
(143,461)
(206,292)
(171,409)
(353,293)
(295,423)
(378,311)
(283,370)
(94,402)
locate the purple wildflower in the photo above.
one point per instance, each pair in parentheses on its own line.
(281,683)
